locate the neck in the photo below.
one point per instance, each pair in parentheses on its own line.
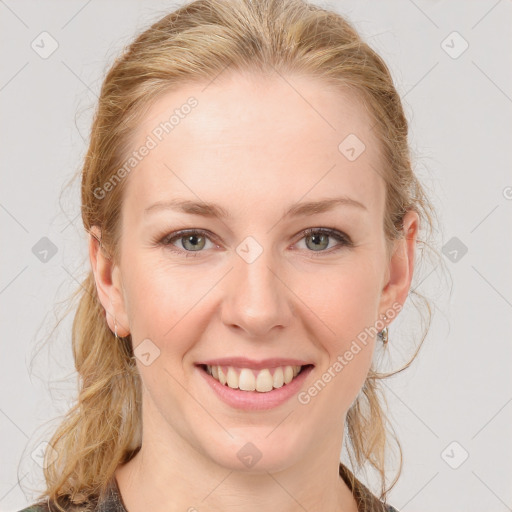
(162,482)
(174,472)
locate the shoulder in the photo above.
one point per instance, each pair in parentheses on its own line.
(42,506)
(36,507)
(389,508)
(109,500)
(380,507)
(365,499)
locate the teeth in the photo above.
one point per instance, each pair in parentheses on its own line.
(278,377)
(264,381)
(246,380)
(253,380)
(232,378)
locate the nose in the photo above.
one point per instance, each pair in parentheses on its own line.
(256,297)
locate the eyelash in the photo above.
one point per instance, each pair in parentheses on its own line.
(344,240)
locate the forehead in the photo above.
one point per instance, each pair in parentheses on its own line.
(250,138)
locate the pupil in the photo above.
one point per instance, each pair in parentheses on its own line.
(193,240)
(319,240)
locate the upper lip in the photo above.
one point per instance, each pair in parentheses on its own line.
(243,362)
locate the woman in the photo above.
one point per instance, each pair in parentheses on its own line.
(253,220)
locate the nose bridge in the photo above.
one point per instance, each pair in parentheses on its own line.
(257,299)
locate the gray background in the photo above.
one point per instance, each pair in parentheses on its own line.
(455,400)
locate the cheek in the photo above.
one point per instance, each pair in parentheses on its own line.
(346,301)
(166,302)
(345,298)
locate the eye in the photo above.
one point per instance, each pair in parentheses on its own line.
(189,240)
(317,239)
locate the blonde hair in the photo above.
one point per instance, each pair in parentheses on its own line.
(197,42)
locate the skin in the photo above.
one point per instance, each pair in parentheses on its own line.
(254,146)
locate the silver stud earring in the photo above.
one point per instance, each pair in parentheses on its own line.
(384,333)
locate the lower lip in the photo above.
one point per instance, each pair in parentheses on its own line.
(254,400)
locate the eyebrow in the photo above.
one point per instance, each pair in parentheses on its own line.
(205,209)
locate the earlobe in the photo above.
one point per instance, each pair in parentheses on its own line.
(108,285)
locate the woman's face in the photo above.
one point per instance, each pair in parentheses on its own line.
(251,284)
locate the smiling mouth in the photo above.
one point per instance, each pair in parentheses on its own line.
(247,379)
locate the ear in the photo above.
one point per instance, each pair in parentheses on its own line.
(108,284)
(401,265)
